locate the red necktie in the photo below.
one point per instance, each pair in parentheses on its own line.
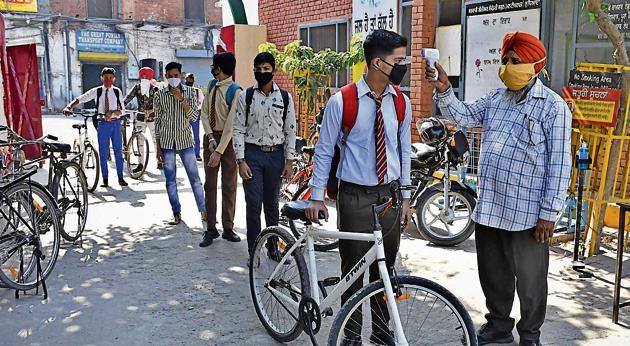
(213,109)
(106,101)
(379,140)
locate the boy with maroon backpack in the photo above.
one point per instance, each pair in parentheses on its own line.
(367,129)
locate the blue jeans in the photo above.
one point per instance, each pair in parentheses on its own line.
(170,171)
(262,189)
(195,130)
(110,131)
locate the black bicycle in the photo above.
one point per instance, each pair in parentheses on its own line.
(29,231)
(88,154)
(66,182)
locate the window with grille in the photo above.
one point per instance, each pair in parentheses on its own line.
(195,11)
(100,8)
(328,35)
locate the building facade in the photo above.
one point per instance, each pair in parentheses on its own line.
(565,29)
(75,39)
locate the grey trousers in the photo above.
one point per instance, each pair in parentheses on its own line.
(510,261)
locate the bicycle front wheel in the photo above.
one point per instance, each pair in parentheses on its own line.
(277,298)
(69,188)
(429,314)
(137,156)
(28,221)
(91,166)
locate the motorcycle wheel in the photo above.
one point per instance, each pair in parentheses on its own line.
(433,227)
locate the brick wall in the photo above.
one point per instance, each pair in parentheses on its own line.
(283,17)
(166,11)
(422,35)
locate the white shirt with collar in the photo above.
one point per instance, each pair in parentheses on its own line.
(91,95)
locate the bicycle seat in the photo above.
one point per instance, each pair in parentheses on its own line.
(296,210)
(422,151)
(78,126)
(56,147)
(308,150)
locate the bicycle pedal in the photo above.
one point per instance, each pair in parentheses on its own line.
(328,312)
(332,281)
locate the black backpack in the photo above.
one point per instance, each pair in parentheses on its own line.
(249,97)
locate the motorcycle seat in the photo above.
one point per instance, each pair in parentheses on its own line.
(422,151)
(308,150)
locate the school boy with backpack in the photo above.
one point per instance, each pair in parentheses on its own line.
(217,117)
(367,129)
(109,108)
(264,142)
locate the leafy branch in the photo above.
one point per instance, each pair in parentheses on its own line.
(312,70)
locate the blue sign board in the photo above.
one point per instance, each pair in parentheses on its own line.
(100,41)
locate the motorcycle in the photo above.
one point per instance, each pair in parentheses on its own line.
(443,204)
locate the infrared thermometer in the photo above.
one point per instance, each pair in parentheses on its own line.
(432,56)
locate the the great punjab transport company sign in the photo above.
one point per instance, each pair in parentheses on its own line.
(370,15)
(100,41)
(18,5)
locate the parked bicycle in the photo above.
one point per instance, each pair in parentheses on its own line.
(289,299)
(29,231)
(66,181)
(88,154)
(443,205)
(136,150)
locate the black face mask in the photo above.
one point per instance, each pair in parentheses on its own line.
(263,77)
(397,74)
(190,84)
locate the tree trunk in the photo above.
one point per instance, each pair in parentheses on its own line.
(606,25)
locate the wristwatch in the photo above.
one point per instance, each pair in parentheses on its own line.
(239,161)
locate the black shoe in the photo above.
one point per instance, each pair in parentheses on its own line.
(488,335)
(529,343)
(380,338)
(138,169)
(230,235)
(122,182)
(177,218)
(208,237)
(351,341)
(199,158)
(104,184)
(160,166)
(276,256)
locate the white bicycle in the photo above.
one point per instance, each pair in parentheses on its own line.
(289,298)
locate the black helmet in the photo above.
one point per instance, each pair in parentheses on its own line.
(432,131)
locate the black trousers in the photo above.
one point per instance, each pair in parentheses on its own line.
(354,207)
(510,261)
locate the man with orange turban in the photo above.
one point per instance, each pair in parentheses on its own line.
(524,174)
(144,93)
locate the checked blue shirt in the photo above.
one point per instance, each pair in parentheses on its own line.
(525,160)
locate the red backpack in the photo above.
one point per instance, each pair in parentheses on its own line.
(350,97)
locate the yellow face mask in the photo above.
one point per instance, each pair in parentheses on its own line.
(516,77)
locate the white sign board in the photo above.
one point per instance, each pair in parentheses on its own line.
(448,41)
(486,25)
(369,15)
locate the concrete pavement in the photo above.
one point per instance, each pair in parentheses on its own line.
(138,281)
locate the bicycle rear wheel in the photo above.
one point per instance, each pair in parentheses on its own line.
(91,166)
(429,313)
(137,156)
(69,188)
(278,309)
(297,226)
(28,221)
